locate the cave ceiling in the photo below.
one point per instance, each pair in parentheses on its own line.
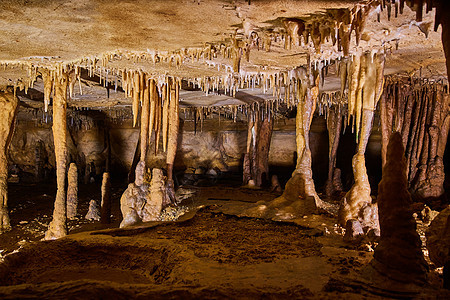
(175,38)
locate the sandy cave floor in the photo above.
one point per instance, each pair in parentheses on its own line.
(212,252)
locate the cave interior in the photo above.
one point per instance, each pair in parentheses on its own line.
(224,149)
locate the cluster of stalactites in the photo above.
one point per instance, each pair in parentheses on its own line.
(49,76)
(159,102)
(362,79)
(335,26)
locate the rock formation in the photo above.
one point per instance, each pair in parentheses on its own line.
(398,255)
(365,87)
(143,202)
(8,109)
(106,199)
(72,191)
(93,213)
(334,125)
(57,227)
(256,159)
(438,243)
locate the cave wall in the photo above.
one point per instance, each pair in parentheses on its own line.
(214,146)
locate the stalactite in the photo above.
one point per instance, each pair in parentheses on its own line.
(173,128)
(158,117)
(8,106)
(57,227)
(136,92)
(153,100)
(145,111)
(165,116)
(47,78)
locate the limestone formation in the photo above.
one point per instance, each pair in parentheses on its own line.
(364,93)
(398,255)
(421,113)
(57,227)
(72,191)
(354,232)
(93,213)
(8,109)
(256,160)
(143,202)
(106,199)
(334,124)
(438,241)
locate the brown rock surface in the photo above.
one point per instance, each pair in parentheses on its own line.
(398,255)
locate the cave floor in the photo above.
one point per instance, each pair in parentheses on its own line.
(212,252)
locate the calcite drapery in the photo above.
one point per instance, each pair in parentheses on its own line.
(8,108)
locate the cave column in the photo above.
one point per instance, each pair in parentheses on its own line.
(57,227)
(357,203)
(256,160)
(8,108)
(301,185)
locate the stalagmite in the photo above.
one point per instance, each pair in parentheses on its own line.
(93,213)
(57,227)
(72,191)
(8,108)
(145,120)
(105,212)
(398,255)
(159,198)
(141,201)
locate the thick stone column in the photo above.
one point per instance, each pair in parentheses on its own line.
(8,109)
(57,227)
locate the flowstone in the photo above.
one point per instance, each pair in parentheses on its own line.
(143,202)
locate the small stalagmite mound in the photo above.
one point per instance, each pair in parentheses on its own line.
(398,256)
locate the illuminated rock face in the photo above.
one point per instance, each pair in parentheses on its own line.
(398,256)
(8,106)
(143,202)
